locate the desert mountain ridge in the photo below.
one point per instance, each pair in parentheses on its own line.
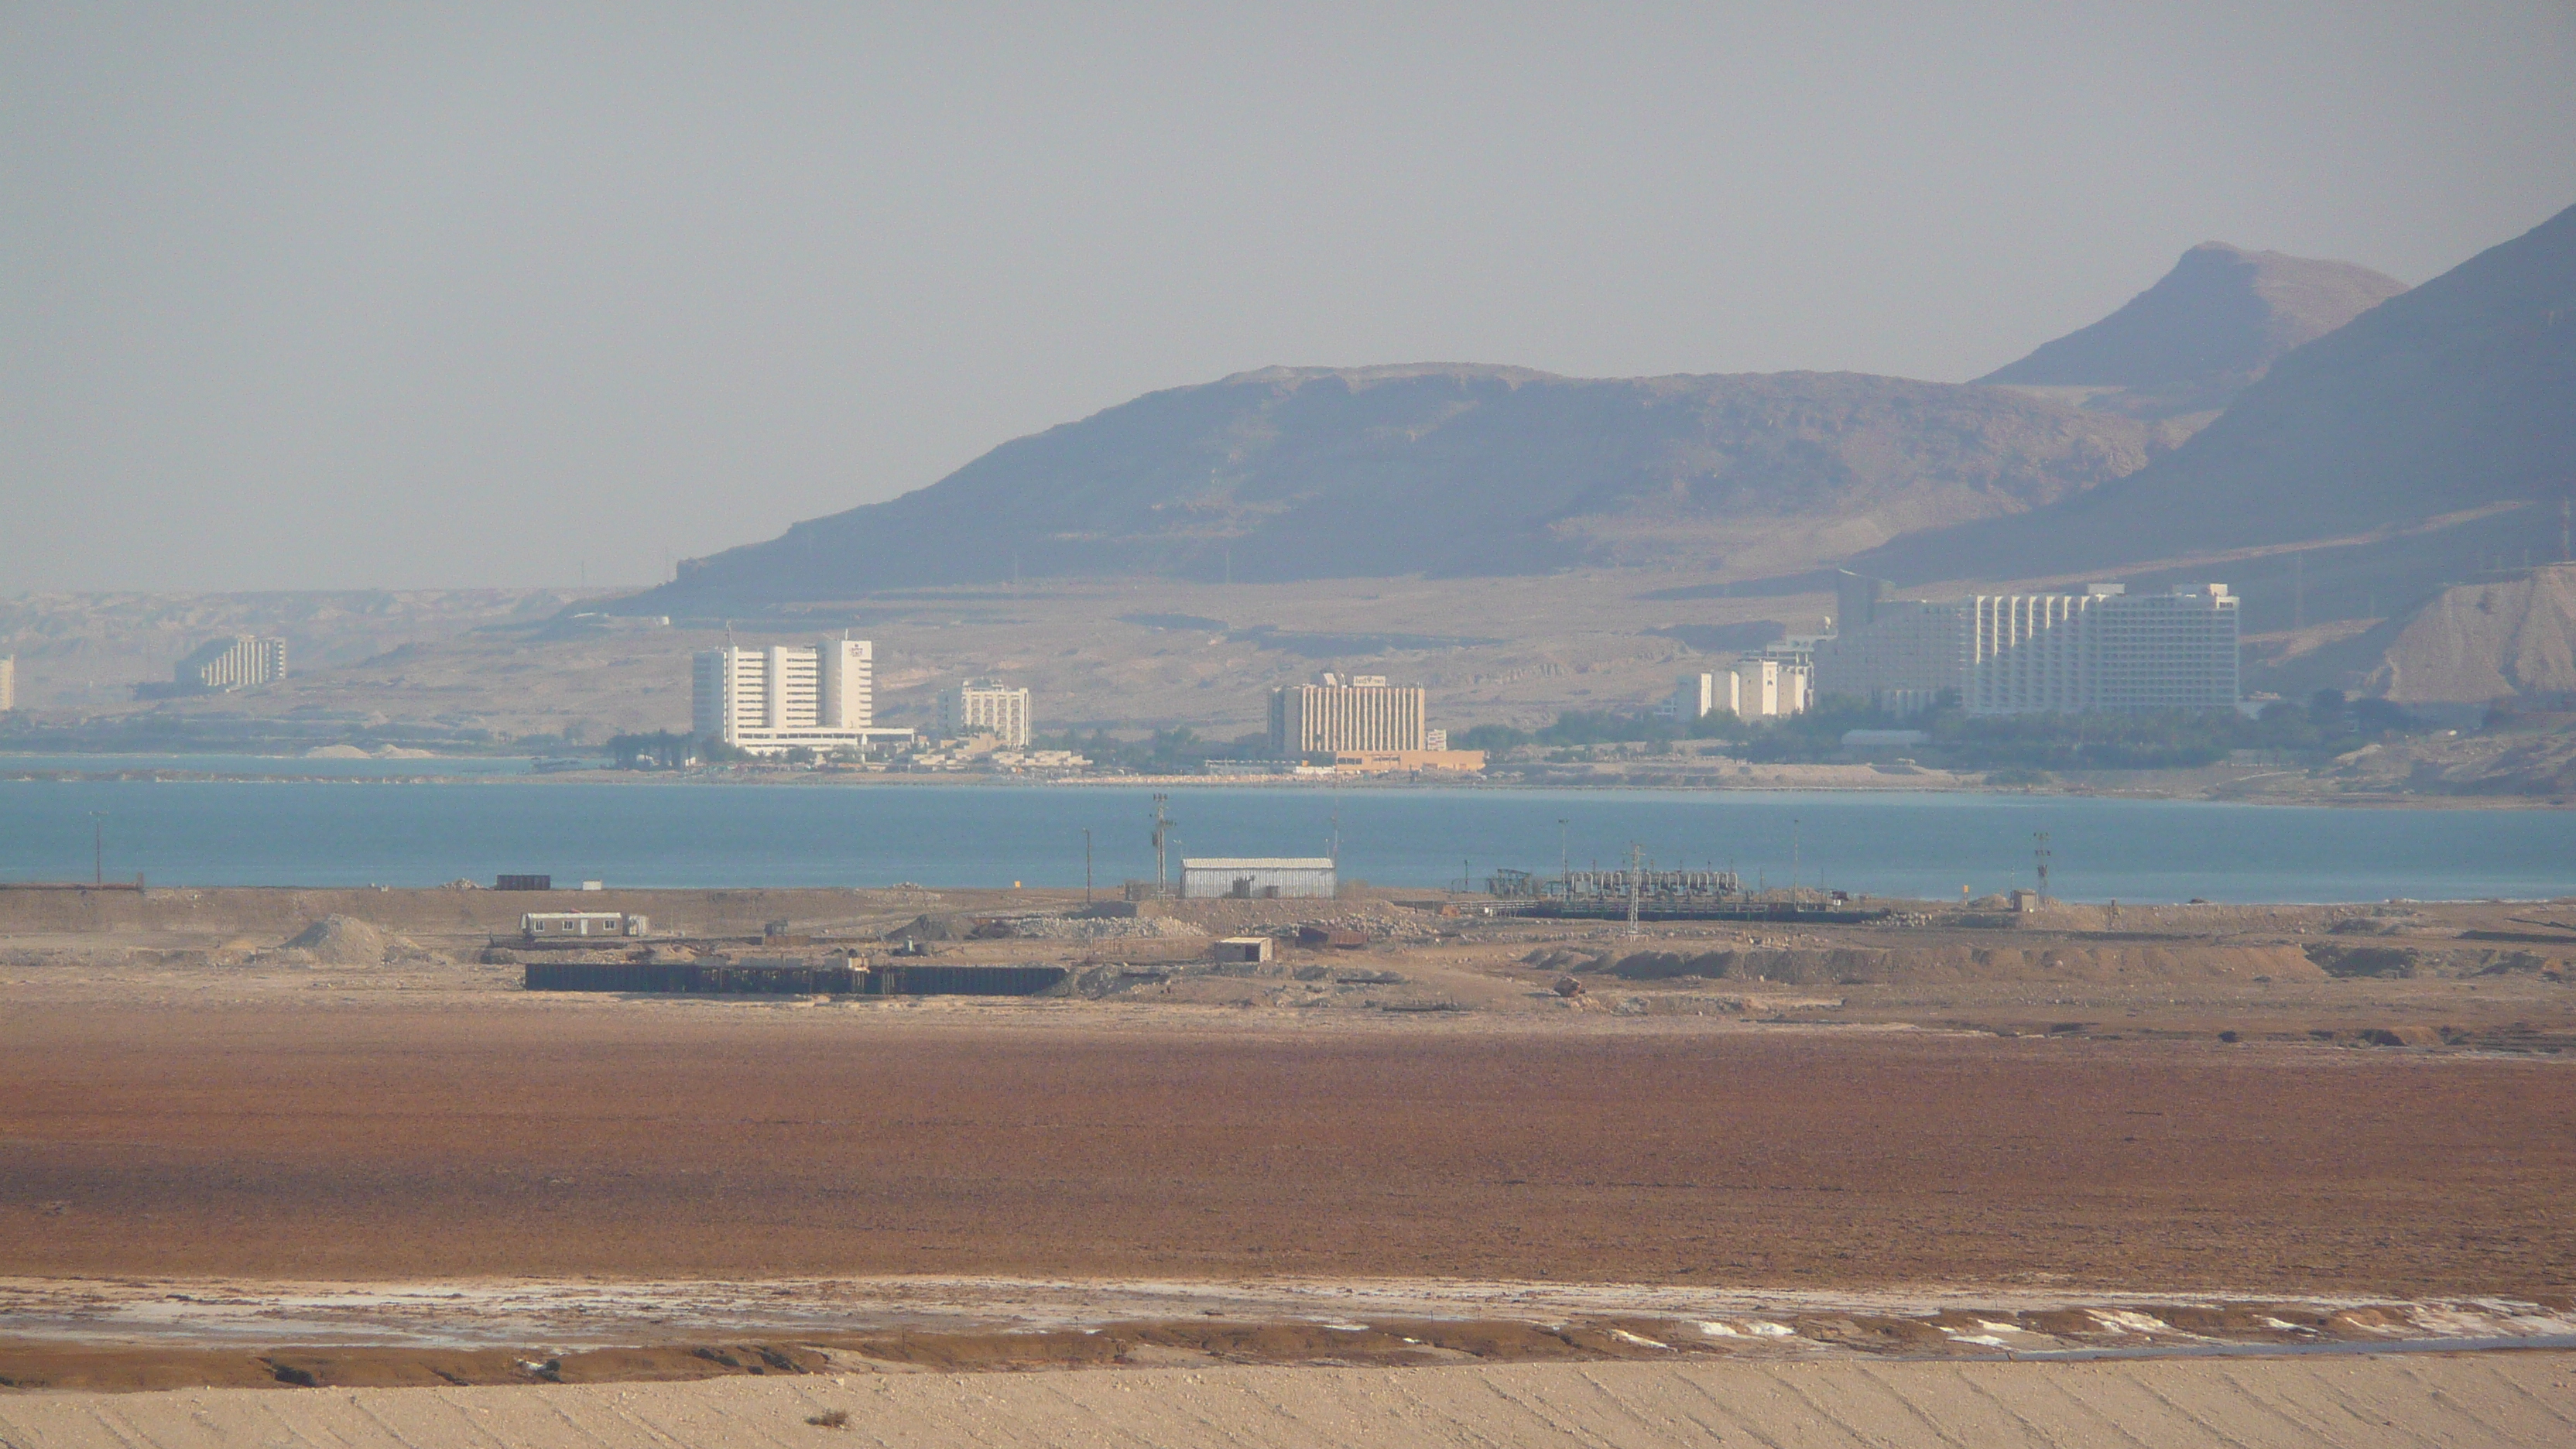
(2430,440)
(2198,337)
(1439,469)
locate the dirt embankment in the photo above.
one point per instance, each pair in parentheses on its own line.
(1936,963)
(1812,1330)
(272,915)
(2409,962)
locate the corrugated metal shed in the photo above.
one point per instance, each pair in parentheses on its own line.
(1210,878)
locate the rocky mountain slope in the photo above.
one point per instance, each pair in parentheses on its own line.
(2483,641)
(1311,473)
(2431,437)
(2194,340)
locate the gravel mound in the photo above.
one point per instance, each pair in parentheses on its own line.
(931,928)
(347,941)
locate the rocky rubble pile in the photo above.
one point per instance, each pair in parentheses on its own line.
(1098,928)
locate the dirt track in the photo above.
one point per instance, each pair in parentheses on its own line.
(285,1140)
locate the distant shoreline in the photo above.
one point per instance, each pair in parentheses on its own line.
(845,780)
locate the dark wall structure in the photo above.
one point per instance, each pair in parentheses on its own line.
(791,979)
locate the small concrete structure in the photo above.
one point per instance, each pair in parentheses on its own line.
(1243,948)
(1257,878)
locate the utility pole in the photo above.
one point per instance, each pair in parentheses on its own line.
(1086,865)
(2040,855)
(1636,868)
(1564,871)
(1333,842)
(98,846)
(1162,829)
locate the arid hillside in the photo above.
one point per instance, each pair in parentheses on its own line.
(1316,473)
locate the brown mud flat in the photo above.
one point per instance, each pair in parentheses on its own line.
(628,1140)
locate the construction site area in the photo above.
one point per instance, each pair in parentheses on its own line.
(270,1138)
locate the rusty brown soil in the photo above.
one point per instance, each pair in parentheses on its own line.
(296,1143)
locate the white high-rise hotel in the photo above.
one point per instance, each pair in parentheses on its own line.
(984,704)
(789,696)
(1357,712)
(240,662)
(2103,649)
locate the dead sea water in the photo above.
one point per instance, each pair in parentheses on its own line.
(420,833)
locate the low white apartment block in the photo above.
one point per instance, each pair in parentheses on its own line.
(1754,688)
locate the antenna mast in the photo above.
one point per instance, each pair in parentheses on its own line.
(1162,829)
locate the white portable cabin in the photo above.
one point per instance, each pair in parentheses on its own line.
(551,924)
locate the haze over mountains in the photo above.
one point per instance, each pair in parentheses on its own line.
(2400,468)
(2454,403)
(2430,438)
(2194,340)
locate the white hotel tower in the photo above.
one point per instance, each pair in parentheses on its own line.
(781,697)
(2105,649)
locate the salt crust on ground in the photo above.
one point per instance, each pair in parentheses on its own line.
(2457,1400)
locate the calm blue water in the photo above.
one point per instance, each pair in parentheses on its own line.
(359,832)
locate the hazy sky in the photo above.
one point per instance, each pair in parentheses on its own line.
(410,296)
